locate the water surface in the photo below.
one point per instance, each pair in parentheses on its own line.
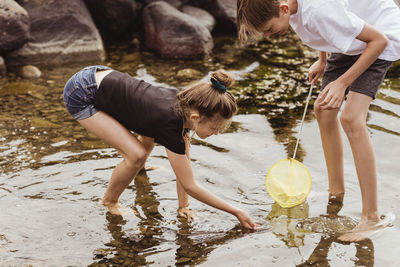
(53,174)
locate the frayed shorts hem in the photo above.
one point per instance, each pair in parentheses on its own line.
(85,113)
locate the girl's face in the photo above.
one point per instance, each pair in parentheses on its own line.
(277,25)
(207,127)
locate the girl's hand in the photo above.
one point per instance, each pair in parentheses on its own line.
(316,70)
(185,212)
(332,96)
(245,220)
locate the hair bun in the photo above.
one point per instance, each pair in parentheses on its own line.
(223,76)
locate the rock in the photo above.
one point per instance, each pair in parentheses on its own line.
(61,32)
(14,26)
(115,19)
(174,34)
(200,14)
(188,74)
(397,2)
(30,72)
(224,11)
(3,68)
(175,3)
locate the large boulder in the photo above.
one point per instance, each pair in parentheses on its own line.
(61,32)
(174,34)
(224,11)
(115,19)
(201,15)
(14,26)
(175,3)
(3,69)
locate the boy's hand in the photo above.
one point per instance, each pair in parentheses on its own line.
(316,70)
(332,96)
(245,220)
(185,212)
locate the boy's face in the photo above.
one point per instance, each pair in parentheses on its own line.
(277,25)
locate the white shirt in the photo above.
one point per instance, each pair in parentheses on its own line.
(333,25)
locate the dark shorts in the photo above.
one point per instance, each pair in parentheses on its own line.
(367,83)
(79,92)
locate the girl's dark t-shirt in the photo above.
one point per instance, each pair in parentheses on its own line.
(142,108)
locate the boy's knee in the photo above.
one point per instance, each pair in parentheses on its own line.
(317,109)
(351,123)
(324,117)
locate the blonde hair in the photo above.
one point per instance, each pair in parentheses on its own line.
(252,15)
(208,100)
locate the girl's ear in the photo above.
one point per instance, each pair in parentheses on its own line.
(194,116)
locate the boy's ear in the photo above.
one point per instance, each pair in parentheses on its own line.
(284,7)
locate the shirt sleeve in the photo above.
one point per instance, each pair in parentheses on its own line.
(335,24)
(173,140)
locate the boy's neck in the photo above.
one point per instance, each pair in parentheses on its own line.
(292,6)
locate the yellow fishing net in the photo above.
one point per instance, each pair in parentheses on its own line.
(288,182)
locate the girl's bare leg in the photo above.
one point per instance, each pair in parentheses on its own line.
(133,151)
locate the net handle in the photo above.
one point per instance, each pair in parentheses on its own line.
(302,121)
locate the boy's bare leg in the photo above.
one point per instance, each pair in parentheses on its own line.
(332,144)
(353,119)
(132,150)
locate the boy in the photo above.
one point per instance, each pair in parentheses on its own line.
(363,38)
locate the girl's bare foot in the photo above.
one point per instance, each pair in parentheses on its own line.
(117,209)
(151,167)
(366,228)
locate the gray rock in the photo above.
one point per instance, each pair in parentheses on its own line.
(175,3)
(3,69)
(174,34)
(224,11)
(30,72)
(115,19)
(200,14)
(61,32)
(14,26)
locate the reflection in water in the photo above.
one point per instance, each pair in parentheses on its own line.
(364,253)
(283,223)
(132,249)
(330,226)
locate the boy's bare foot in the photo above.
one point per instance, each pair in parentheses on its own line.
(366,229)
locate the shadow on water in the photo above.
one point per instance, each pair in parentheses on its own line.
(44,152)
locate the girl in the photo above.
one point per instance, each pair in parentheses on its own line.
(110,104)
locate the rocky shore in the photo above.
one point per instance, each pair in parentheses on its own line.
(54,32)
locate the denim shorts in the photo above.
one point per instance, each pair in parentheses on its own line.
(367,83)
(80,91)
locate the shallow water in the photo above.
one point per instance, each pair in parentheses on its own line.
(53,174)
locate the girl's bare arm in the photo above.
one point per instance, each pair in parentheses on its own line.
(184,174)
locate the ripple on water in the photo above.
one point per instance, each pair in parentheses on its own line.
(326,225)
